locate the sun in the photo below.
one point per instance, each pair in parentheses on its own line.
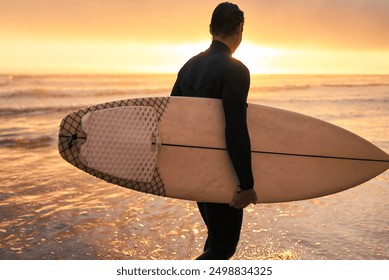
(258,58)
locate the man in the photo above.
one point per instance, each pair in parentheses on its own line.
(215,74)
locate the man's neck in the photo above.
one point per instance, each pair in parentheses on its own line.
(228,41)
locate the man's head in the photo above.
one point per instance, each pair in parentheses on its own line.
(226,19)
(227,22)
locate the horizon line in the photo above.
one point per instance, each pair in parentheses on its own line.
(175,73)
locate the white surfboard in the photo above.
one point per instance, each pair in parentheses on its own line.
(175,147)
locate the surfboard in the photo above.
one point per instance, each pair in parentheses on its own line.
(175,147)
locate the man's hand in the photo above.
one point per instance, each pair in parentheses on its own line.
(244,198)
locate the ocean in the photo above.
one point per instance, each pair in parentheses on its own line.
(51,210)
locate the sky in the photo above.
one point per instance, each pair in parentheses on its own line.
(125,36)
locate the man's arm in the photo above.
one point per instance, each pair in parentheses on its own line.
(235,93)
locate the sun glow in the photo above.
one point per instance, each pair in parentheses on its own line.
(95,57)
(111,57)
(52,56)
(257,58)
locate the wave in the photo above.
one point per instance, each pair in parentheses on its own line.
(35,93)
(66,93)
(280,88)
(5,80)
(275,101)
(28,142)
(357,85)
(265,88)
(37,110)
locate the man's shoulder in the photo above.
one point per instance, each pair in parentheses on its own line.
(194,60)
(235,66)
(238,64)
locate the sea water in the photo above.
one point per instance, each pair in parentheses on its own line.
(51,210)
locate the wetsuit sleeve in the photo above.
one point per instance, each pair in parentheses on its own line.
(235,91)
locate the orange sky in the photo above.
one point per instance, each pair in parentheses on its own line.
(111,36)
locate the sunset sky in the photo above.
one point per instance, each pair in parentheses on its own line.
(125,36)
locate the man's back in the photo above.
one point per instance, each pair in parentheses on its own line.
(208,74)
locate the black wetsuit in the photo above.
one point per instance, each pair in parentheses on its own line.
(215,74)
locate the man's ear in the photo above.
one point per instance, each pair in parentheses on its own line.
(210,30)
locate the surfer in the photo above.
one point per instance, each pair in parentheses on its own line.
(214,73)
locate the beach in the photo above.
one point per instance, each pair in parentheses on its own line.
(51,210)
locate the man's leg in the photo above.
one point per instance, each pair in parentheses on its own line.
(202,208)
(224,224)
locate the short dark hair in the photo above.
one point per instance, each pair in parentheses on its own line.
(226,18)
